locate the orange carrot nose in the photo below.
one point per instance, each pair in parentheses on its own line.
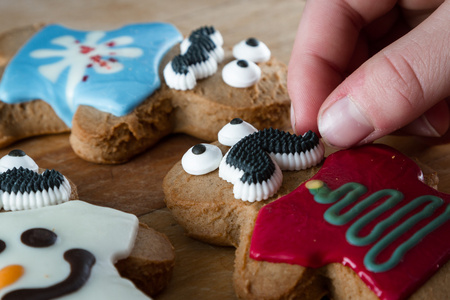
(10,274)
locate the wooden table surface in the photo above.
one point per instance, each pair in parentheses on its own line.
(202,271)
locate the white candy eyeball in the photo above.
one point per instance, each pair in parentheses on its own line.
(241,73)
(234,131)
(201,159)
(251,49)
(16,159)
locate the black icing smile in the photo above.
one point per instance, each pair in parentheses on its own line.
(81,262)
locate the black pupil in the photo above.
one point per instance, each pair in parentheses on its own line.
(2,246)
(38,237)
(252,42)
(16,153)
(199,149)
(242,63)
(236,121)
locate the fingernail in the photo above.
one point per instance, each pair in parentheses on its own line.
(342,125)
(292,118)
(422,127)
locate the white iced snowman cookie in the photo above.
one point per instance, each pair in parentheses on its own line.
(66,251)
(53,248)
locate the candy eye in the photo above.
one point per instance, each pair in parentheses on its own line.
(234,131)
(38,237)
(201,159)
(16,159)
(241,73)
(251,49)
(2,246)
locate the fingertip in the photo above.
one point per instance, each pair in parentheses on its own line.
(343,124)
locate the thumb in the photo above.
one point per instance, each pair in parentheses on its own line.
(394,88)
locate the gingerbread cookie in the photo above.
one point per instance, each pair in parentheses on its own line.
(107,87)
(51,247)
(363,225)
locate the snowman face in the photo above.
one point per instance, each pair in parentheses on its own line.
(66,251)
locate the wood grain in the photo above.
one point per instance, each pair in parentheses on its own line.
(202,271)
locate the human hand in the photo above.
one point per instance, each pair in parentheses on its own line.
(345,85)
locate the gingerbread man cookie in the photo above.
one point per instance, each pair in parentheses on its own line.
(107,87)
(53,248)
(363,225)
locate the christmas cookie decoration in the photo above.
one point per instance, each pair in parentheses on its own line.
(23,187)
(201,159)
(252,49)
(241,73)
(364,225)
(67,250)
(200,54)
(16,159)
(396,254)
(54,248)
(234,131)
(105,88)
(253,165)
(68,68)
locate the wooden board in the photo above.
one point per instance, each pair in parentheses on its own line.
(202,271)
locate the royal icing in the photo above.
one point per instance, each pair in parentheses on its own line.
(23,187)
(253,165)
(251,49)
(66,251)
(234,131)
(241,73)
(200,55)
(113,71)
(201,159)
(16,159)
(368,209)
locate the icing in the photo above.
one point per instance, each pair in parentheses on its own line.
(209,31)
(241,73)
(201,159)
(234,131)
(10,274)
(38,237)
(253,165)
(79,264)
(25,189)
(200,54)
(17,158)
(67,68)
(251,49)
(179,75)
(202,63)
(394,254)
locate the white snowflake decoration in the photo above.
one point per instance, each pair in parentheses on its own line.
(79,56)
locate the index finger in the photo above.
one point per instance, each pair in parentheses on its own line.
(325,43)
